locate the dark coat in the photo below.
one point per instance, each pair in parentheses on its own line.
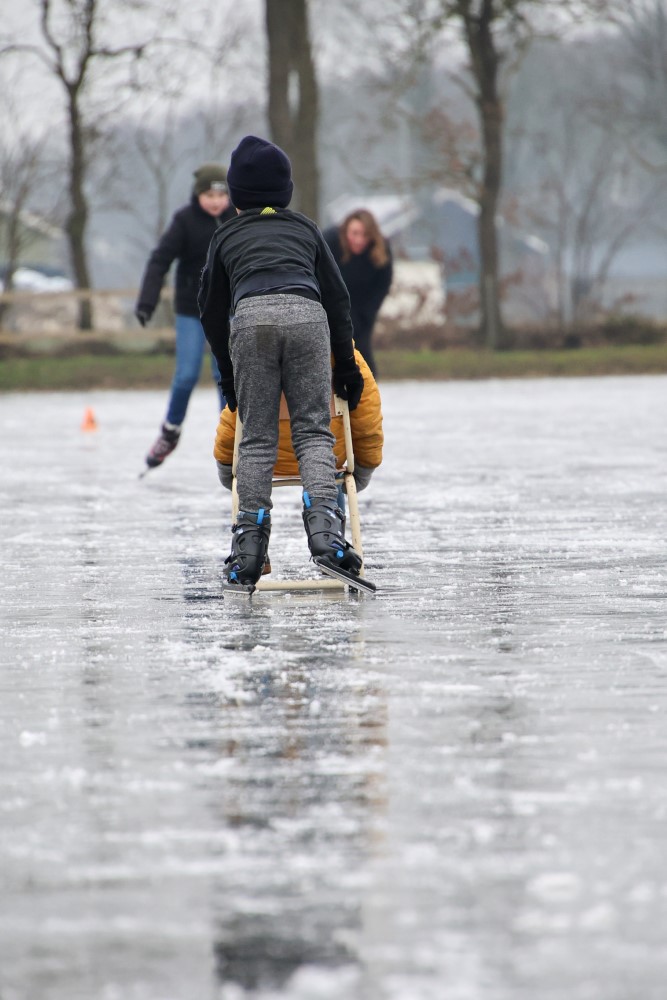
(286,249)
(367,284)
(186,240)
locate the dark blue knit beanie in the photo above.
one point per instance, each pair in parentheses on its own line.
(259,175)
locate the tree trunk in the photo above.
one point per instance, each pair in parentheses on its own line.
(485,63)
(492,327)
(77,219)
(293,97)
(12,257)
(305,126)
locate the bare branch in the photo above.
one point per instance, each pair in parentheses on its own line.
(18,47)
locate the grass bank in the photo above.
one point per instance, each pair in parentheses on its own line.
(114,371)
(469,364)
(154,371)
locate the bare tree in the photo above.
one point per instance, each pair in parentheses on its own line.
(27,170)
(481,23)
(71,49)
(20,171)
(591,201)
(481,42)
(633,101)
(293,96)
(495,33)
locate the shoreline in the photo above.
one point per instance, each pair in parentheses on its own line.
(114,369)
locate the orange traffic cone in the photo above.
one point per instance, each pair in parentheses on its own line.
(89,423)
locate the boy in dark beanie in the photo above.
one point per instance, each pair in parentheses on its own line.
(274,307)
(186,240)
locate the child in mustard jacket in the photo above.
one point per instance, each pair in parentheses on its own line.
(365,424)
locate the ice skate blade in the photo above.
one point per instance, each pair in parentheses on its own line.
(354,582)
(149,468)
(243,589)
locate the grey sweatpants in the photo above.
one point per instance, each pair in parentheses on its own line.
(280,343)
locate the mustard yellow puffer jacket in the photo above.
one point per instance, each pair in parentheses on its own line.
(365,423)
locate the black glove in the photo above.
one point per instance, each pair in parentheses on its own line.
(348,381)
(143,314)
(227,386)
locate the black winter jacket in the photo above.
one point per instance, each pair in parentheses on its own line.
(276,252)
(186,240)
(367,284)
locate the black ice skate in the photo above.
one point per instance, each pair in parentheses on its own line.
(162,448)
(331,553)
(250,542)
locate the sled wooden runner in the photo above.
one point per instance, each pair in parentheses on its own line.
(340,408)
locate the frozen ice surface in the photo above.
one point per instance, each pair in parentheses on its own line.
(453,791)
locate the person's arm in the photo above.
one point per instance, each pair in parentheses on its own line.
(165,253)
(366,427)
(216,326)
(348,382)
(223,448)
(381,284)
(332,241)
(215,302)
(335,301)
(387,275)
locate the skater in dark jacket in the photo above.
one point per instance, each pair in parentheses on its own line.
(364,258)
(274,309)
(186,240)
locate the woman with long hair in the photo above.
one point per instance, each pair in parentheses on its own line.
(363,255)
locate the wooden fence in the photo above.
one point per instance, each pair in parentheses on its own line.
(55,313)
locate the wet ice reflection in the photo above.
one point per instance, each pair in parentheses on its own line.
(454,789)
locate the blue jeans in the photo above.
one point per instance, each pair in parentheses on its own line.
(190,346)
(340,499)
